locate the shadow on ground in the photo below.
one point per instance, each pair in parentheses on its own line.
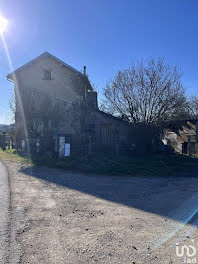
(171,197)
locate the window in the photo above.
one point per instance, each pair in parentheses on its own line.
(90,128)
(47,75)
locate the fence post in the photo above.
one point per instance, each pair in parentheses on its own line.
(4,141)
(189,145)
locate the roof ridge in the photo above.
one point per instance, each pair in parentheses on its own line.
(41,55)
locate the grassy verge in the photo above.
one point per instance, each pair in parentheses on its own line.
(157,165)
(147,165)
(12,155)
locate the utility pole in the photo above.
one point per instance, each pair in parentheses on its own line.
(4,141)
(189,145)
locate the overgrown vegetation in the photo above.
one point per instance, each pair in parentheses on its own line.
(125,165)
(110,165)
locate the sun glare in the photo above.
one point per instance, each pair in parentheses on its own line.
(3,24)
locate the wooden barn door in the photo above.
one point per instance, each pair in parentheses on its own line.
(106,134)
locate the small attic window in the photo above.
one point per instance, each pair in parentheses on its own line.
(47,75)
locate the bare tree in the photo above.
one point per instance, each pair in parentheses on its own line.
(80,115)
(77,116)
(193,107)
(41,113)
(12,106)
(149,91)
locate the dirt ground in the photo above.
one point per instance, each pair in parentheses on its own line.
(62,217)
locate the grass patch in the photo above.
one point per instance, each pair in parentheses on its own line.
(12,155)
(156,165)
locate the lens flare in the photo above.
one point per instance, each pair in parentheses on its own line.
(16,90)
(3,24)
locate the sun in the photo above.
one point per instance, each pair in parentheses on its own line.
(3,24)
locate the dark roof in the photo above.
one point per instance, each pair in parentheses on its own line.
(114,117)
(176,125)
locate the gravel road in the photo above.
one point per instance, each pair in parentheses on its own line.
(61,217)
(4,214)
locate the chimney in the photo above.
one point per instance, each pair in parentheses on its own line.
(84,70)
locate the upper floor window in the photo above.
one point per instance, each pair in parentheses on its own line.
(47,75)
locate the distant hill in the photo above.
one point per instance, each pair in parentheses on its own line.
(4,128)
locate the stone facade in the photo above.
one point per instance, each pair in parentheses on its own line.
(182,137)
(52,77)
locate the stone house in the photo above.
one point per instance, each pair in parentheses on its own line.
(182,136)
(48,76)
